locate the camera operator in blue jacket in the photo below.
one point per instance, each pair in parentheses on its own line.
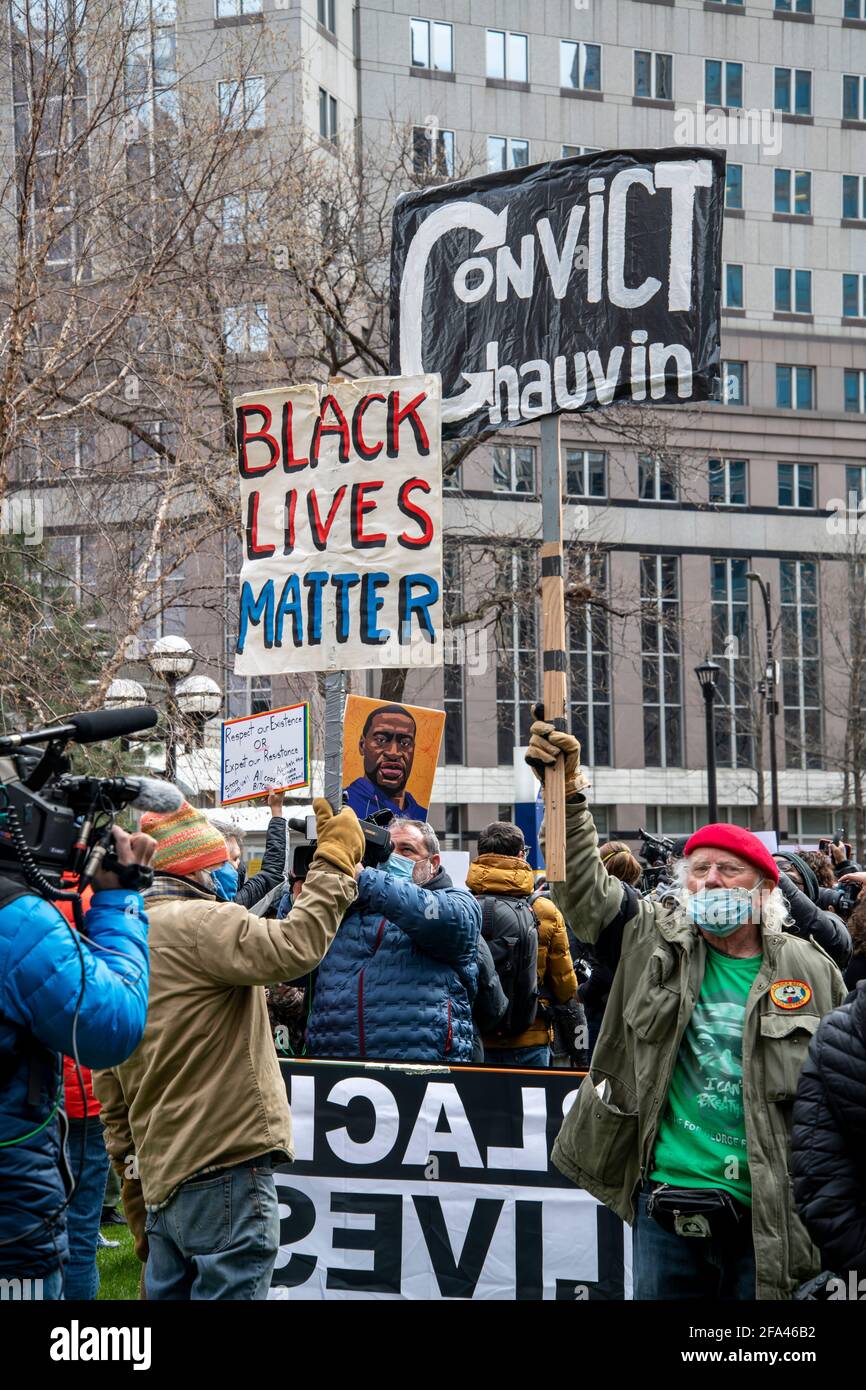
(399,980)
(59,993)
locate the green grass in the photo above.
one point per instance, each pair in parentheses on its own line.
(119,1270)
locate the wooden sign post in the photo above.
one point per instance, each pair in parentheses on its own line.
(553,641)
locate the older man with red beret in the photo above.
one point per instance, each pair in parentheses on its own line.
(682,1126)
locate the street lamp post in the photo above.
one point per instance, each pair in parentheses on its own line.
(768,689)
(171,659)
(708,677)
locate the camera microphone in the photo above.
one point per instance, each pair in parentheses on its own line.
(144,793)
(91,726)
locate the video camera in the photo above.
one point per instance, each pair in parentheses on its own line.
(657,855)
(843,899)
(55,828)
(377,849)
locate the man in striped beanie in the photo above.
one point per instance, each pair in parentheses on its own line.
(199,1112)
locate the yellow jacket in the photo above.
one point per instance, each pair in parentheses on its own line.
(508,876)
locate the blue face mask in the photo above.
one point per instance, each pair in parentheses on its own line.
(720,911)
(225,879)
(399,866)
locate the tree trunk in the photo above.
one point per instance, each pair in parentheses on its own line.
(393,683)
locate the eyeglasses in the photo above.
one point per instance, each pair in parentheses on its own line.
(726,871)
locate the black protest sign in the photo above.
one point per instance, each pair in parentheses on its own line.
(565,286)
(435,1183)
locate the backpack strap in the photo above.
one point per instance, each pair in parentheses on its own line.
(486,916)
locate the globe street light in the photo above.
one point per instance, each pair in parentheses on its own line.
(708,678)
(198,698)
(171,659)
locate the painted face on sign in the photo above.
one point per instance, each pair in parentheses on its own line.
(388,751)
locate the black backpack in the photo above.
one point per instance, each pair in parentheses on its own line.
(509,927)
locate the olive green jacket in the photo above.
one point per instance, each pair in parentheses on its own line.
(606,1146)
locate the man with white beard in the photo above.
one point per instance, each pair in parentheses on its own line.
(682,1126)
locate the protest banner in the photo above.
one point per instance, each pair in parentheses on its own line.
(430,1182)
(265,752)
(390,754)
(341,497)
(563,286)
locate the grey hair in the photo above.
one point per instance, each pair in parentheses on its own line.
(425,830)
(775,916)
(229,829)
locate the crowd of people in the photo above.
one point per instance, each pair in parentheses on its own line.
(691,996)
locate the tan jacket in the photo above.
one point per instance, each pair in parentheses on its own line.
(510,877)
(203,1088)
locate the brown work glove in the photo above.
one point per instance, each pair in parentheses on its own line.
(546,744)
(136,1213)
(340,838)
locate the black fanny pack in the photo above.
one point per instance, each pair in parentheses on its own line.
(697,1212)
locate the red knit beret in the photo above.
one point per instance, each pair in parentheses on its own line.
(738,841)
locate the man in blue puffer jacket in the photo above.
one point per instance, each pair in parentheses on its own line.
(42,964)
(399,980)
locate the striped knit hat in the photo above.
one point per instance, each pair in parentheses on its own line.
(186,841)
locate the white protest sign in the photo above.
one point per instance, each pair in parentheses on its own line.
(265,752)
(341,497)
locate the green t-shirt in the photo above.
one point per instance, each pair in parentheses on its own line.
(701,1141)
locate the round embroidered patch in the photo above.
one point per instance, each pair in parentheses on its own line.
(790,994)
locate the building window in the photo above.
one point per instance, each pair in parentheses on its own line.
(793,91)
(589,662)
(801,671)
(853,296)
(654,75)
(656,480)
(727,482)
(244,218)
(580,66)
(455,833)
(230,9)
(514,468)
(516,658)
(585,473)
(795,388)
(243,694)
(734,187)
(794,6)
(432,45)
(661,660)
(855,390)
(792,291)
(504,152)
(853,98)
(796,485)
(855,9)
(671,820)
(729,605)
(723,83)
(854,197)
(326,15)
(734,383)
(327,116)
(733,286)
(507,55)
(143,454)
(433,151)
(570,151)
(245,328)
(453,673)
(792,192)
(242,104)
(855,485)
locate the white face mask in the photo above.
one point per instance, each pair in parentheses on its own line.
(422,872)
(721,911)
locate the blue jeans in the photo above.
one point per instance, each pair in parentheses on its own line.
(518,1056)
(217,1238)
(81,1277)
(690,1267)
